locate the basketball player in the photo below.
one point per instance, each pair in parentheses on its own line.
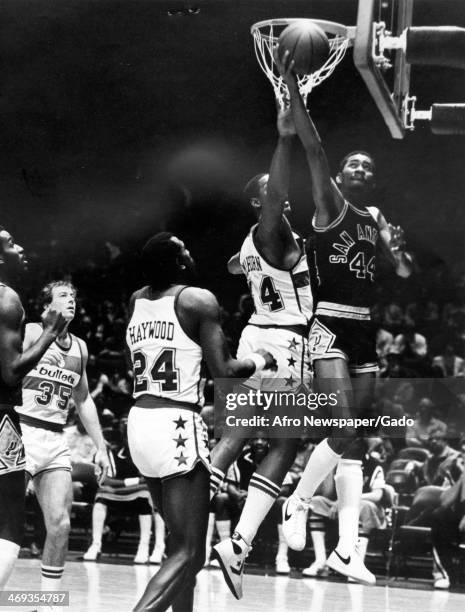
(343,248)
(172,326)
(273,259)
(14,364)
(47,389)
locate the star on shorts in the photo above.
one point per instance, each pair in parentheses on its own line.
(180,422)
(289,381)
(180,441)
(293,344)
(182,460)
(291,361)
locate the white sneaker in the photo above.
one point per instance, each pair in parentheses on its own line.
(93,553)
(141,558)
(295,522)
(282,565)
(156,557)
(442,583)
(352,567)
(231,554)
(316,569)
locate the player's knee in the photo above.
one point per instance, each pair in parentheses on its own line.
(59,525)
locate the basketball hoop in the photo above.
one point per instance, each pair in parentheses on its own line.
(266,34)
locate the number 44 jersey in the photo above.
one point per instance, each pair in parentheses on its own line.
(166,361)
(281,297)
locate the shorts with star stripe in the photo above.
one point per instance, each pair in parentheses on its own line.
(289,348)
(167,442)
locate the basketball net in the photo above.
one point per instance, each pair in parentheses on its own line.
(266,34)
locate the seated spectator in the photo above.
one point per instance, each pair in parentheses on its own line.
(376,496)
(438,469)
(418,434)
(410,343)
(393,317)
(384,340)
(449,364)
(448,528)
(125,493)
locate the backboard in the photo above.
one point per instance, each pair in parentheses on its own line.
(384,70)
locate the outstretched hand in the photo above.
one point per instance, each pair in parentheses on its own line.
(397,242)
(285,67)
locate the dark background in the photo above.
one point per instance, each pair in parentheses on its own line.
(123,117)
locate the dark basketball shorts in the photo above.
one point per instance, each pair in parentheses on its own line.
(350,339)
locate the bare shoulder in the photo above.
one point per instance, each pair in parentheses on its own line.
(83,346)
(10,304)
(199,301)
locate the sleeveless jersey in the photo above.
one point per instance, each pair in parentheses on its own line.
(9,396)
(344,258)
(166,361)
(281,297)
(47,388)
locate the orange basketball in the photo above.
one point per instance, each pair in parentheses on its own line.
(307,44)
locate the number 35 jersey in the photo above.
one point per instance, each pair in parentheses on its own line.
(47,388)
(166,361)
(281,297)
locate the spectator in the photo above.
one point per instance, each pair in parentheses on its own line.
(437,469)
(418,434)
(450,364)
(448,528)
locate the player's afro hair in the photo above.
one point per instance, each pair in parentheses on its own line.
(159,258)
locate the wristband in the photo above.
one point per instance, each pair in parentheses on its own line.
(258,360)
(130,482)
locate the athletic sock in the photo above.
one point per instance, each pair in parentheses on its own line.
(216,478)
(362,546)
(261,496)
(349,484)
(224,529)
(322,461)
(9,554)
(51,578)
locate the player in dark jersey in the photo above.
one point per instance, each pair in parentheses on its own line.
(347,231)
(14,365)
(167,438)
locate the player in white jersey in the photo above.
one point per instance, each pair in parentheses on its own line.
(47,389)
(171,327)
(274,262)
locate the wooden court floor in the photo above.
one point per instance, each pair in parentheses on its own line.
(103,587)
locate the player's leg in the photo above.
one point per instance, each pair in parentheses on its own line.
(55,495)
(184,504)
(12,518)
(264,488)
(333,378)
(99,514)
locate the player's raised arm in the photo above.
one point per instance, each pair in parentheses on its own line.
(201,307)
(327,197)
(14,363)
(392,243)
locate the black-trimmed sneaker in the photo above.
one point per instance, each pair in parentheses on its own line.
(352,567)
(231,554)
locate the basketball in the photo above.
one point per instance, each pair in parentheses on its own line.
(307,44)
